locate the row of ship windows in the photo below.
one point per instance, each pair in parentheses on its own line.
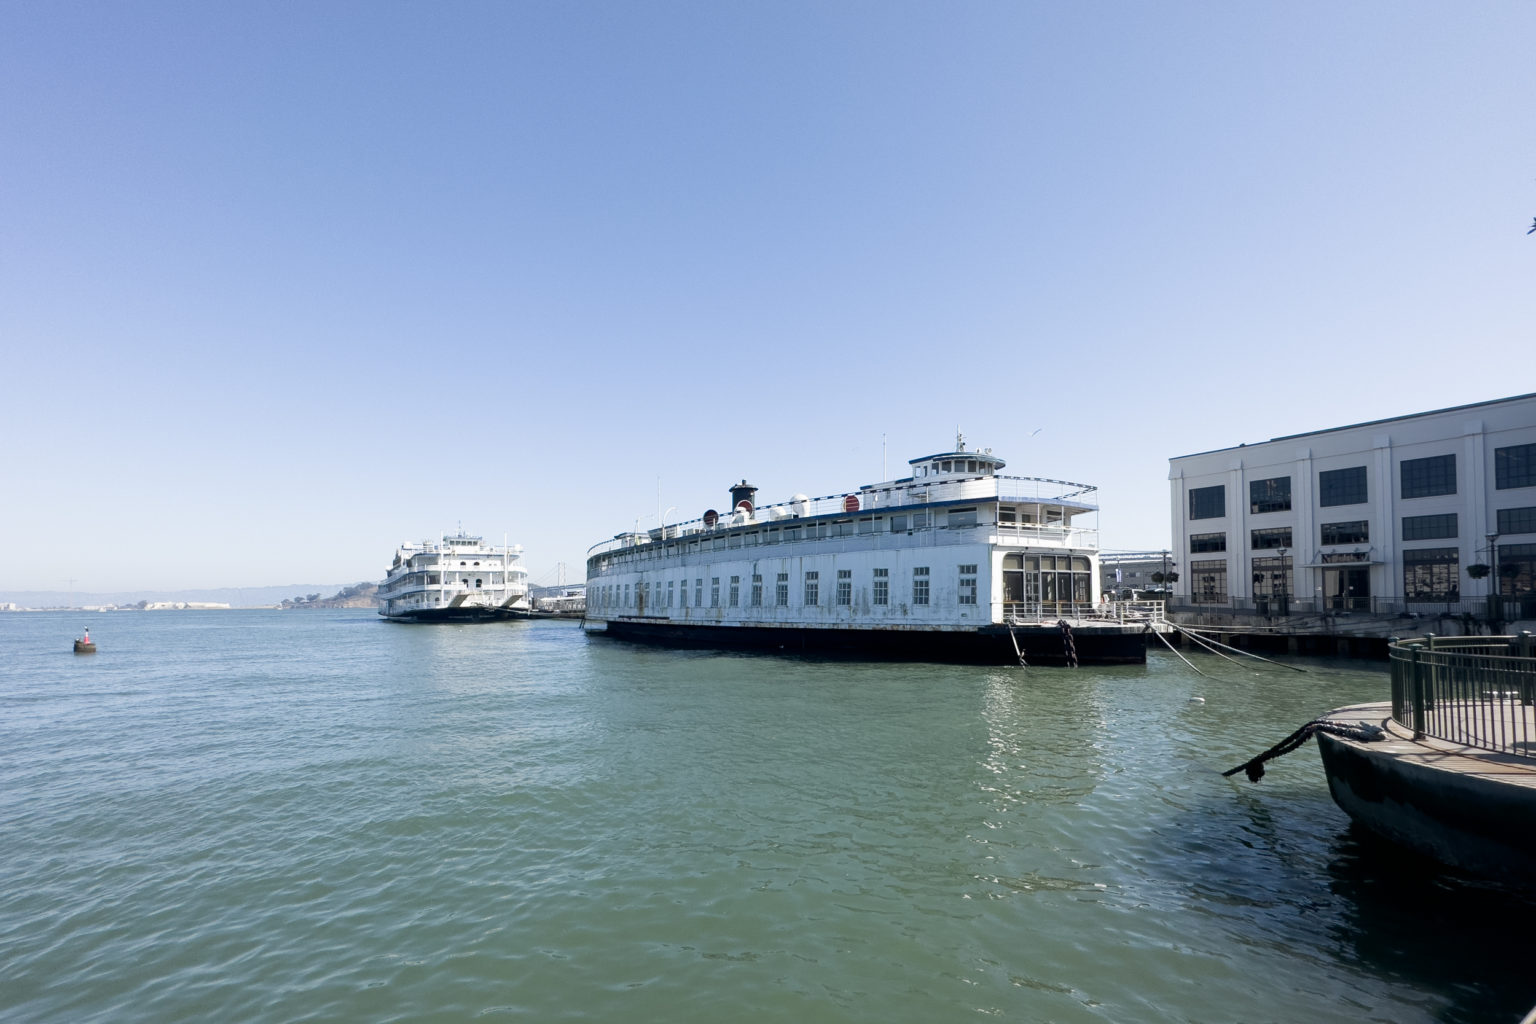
(1436,527)
(1514,466)
(432,579)
(644,594)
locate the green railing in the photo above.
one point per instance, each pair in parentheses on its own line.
(1478,691)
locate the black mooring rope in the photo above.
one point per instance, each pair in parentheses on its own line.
(1066,642)
(1254,769)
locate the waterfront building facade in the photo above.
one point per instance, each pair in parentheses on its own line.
(1432,513)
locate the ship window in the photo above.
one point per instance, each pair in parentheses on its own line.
(698,593)
(781,590)
(898,524)
(812,589)
(791,533)
(882,586)
(962,517)
(967,584)
(845,586)
(920,585)
(682,590)
(735,591)
(866,526)
(670,585)
(714,591)
(757,591)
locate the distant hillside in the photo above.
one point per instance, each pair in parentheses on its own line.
(358,595)
(235,597)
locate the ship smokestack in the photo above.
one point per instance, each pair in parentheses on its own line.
(743,492)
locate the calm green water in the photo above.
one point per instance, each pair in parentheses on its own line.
(275,817)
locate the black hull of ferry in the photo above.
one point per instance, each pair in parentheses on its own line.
(459,615)
(988,645)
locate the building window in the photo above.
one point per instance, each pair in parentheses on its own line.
(967,584)
(1517,520)
(882,586)
(1514,467)
(1425,478)
(781,590)
(1342,487)
(1272,495)
(1207,542)
(1208,502)
(1429,527)
(1278,537)
(920,585)
(1208,581)
(757,591)
(845,586)
(714,591)
(1517,577)
(735,593)
(812,589)
(1273,578)
(1431,574)
(1357,532)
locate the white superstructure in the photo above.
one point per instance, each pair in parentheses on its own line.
(954,562)
(455,578)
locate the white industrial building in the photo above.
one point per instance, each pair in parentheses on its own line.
(1430,513)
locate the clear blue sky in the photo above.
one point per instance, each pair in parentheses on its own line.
(284,284)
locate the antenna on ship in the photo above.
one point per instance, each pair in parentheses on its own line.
(959,439)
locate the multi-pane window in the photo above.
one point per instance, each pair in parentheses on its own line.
(812,589)
(1431,574)
(845,586)
(1355,532)
(1342,487)
(1208,502)
(882,594)
(1273,577)
(698,593)
(1429,527)
(670,585)
(1208,581)
(757,590)
(1517,520)
(781,590)
(1278,537)
(1427,477)
(714,591)
(1207,542)
(1272,495)
(967,584)
(1514,466)
(735,598)
(920,585)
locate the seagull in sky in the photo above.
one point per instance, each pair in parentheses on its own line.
(1533,226)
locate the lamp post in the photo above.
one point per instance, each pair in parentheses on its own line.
(1283,597)
(1495,588)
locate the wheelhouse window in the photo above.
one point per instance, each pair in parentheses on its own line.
(1342,487)
(1514,466)
(1431,574)
(1272,495)
(1429,527)
(1278,537)
(1208,502)
(1357,531)
(1428,477)
(1207,542)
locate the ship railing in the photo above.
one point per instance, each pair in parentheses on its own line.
(1476,691)
(1122,612)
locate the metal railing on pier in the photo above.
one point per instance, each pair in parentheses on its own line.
(1017,612)
(1476,691)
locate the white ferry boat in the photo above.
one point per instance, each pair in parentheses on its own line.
(955,562)
(456,578)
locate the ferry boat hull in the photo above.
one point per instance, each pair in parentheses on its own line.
(1037,644)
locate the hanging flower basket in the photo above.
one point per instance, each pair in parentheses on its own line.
(1478,570)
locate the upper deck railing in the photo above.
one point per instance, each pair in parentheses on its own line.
(1478,691)
(903,496)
